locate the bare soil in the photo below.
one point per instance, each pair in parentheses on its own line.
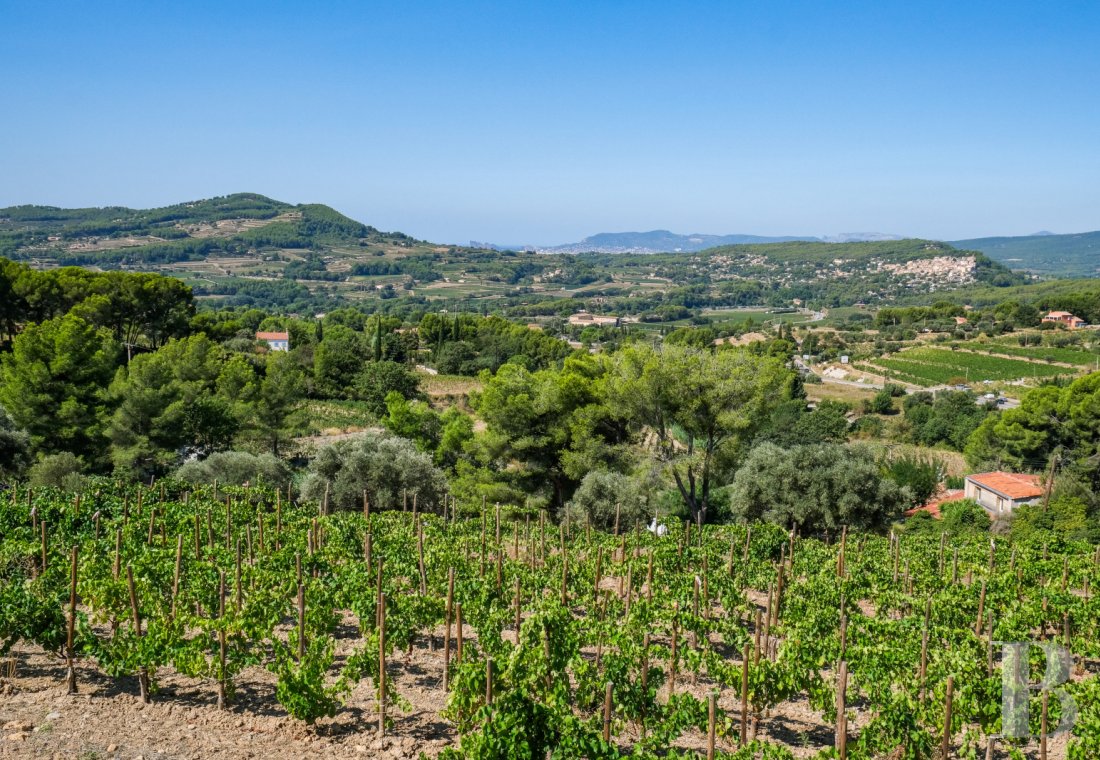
(108,720)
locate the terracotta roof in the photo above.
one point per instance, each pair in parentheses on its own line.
(1059,314)
(932,506)
(1010,485)
(272,336)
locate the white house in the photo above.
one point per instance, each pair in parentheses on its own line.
(278,341)
(1001,492)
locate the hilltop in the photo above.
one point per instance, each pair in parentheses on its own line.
(183,232)
(1074,255)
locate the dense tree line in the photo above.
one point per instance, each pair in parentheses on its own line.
(143,310)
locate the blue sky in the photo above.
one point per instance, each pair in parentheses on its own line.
(546,122)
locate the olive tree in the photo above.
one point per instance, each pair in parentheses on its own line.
(602,495)
(383,466)
(816,488)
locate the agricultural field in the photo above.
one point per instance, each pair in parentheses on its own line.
(243,622)
(939,366)
(334,416)
(1078,357)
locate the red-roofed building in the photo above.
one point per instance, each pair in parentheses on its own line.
(1001,492)
(932,506)
(1064,318)
(278,341)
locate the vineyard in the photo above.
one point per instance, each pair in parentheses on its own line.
(536,639)
(1075,356)
(938,366)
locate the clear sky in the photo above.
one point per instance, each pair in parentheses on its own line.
(534,122)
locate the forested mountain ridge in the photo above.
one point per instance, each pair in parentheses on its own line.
(228,224)
(1073,255)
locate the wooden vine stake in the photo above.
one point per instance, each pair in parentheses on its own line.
(382,666)
(945,744)
(447,636)
(237,590)
(221,641)
(711,724)
(981,611)
(564,576)
(458,633)
(71,667)
(607,711)
(672,659)
(744,697)
(923,661)
(1043,727)
(645,678)
(301,621)
(143,674)
(489,682)
(841,716)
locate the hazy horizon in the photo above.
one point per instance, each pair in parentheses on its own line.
(544,125)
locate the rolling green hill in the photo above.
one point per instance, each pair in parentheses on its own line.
(232,224)
(248,249)
(1076,255)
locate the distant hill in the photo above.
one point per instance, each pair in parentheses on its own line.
(247,249)
(1075,255)
(663,241)
(229,225)
(861,237)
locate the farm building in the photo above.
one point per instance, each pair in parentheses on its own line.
(584,319)
(999,493)
(1064,318)
(277,341)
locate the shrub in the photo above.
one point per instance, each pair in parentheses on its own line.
(598,495)
(964,515)
(57,470)
(1064,518)
(383,466)
(816,488)
(920,475)
(881,403)
(236,468)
